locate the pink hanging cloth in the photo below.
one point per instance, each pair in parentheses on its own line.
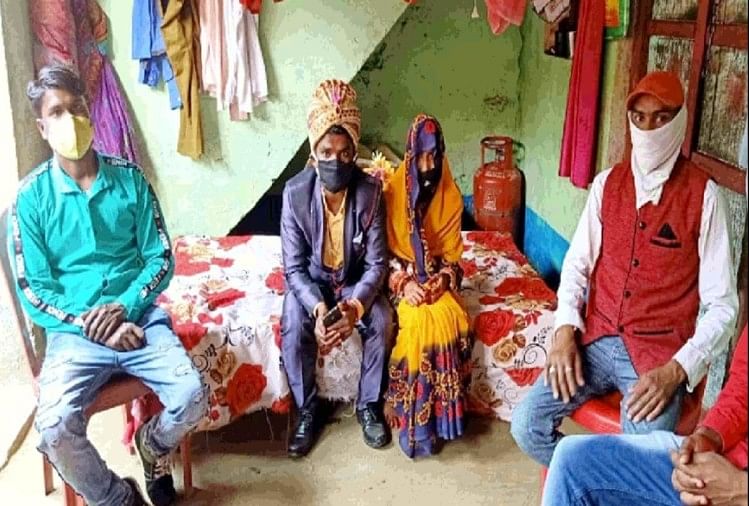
(503,13)
(254,6)
(578,157)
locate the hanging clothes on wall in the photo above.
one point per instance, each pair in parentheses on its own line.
(578,157)
(246,84)
(503,13)
(64,32)
(551,11)
(149,48)
(233,66)
(212,48)
(74,32)
(180,28)
(254,6)
(113,130)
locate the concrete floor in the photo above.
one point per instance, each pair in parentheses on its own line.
(485,467)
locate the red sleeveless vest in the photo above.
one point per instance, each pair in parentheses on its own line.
(644,287)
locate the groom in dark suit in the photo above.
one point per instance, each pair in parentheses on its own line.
(335,260)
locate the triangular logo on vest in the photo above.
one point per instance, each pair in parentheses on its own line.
(666,233)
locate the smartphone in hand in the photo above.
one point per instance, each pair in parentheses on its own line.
(332,316)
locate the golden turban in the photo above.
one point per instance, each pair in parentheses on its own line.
(333,103)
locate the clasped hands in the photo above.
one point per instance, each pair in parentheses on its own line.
(106,325)
(329,338)
(704,477)
(416,294)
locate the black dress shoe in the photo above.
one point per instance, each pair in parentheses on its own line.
(137,496)
(305,435)
(376,432)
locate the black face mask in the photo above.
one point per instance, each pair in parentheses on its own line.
(428,185)
(335,175)
(429,179)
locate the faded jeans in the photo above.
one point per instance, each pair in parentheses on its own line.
(613,470)
(607,367)
(74,371)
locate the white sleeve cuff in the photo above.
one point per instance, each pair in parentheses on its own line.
(568,316)
(694,364)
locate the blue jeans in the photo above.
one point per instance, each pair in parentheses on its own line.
(613,470)
(73,372)
(607,367)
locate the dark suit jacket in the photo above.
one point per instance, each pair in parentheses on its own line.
(365,265)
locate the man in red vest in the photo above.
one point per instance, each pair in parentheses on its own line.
(651,246)
(708,467)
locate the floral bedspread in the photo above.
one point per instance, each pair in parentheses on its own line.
(511,310)
(226,300)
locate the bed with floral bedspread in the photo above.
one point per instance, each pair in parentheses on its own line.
(226,298)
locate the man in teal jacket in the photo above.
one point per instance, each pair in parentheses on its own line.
(90,254)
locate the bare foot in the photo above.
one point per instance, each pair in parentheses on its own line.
(391,416)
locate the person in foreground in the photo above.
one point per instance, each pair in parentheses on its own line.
(707,468)
(90,254)
(651,246)
(335,261)
(425,397)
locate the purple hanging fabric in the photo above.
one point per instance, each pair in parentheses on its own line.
(73,31)
(113,130)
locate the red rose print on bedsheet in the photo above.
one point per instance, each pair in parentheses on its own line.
(281,406)
(190,334)
(492,241)
(245,388)
(275,281)
(529,288)
(491,326)
(231,241)
(469,267)
(524,377)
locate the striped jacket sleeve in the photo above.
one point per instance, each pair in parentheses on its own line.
(41,296)
(154,249)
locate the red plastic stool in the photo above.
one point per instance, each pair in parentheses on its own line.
(601,415)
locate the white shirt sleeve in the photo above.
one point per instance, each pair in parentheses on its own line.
(717,288)
(580,259)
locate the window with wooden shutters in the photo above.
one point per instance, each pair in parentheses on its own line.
(705,43)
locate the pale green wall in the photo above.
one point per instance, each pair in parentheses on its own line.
(438,60)
(544,83)
(304,42)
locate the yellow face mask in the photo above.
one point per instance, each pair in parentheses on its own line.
(70,136)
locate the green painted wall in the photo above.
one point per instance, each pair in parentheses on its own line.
(438,60)
(544,82)
(304,42)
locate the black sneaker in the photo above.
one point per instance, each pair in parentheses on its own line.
(137,499)
(374,428)
(158,473)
